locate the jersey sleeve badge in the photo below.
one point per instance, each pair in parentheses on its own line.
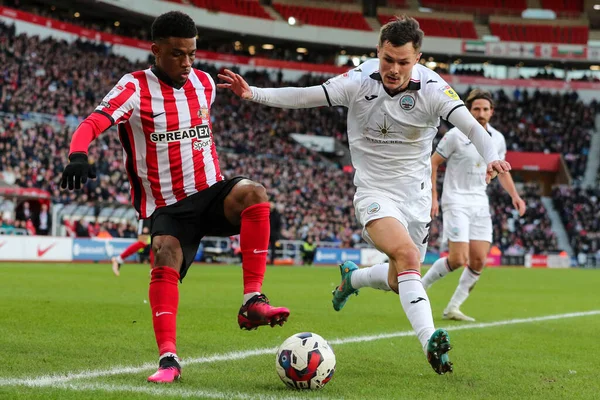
(448,91)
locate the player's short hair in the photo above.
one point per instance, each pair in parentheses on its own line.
(173,24)
(401,30)
(477,94)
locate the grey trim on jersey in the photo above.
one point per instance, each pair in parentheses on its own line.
(440,153)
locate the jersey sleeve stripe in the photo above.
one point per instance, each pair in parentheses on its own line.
(441,154)
(107,115)
(451,111)
(326,95)
(119,101)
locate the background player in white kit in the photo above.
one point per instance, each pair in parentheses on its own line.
(394,106)
(466,210)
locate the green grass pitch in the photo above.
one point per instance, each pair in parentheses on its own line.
(75,331)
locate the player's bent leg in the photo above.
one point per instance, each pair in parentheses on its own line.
(469,277)
(247,205)
(116,265)
(164,301)
(345,288)
(457,257)
(390,236)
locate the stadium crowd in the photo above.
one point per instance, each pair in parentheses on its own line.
(580,212)
(68,81)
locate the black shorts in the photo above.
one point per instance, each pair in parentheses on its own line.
(189,220)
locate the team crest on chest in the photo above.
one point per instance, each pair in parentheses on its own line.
(407,102)
(203,112)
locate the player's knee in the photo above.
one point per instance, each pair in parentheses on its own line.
(407,257)
(477,264)
(457,260)
(167,252)
(255,194)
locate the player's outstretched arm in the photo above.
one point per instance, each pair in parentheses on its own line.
(288,97)
(467,124)
(79,170)
(509,185)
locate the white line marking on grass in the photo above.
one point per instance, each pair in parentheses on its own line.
(173,390)
(52,380)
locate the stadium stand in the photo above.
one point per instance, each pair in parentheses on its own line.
(510,7)
(323,16)
(541,31)
(443,27)
(249,8)
(41,76)
(580,212)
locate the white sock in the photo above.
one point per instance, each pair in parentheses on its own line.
(120,260)
(438,270)
(375,277)
(248,296)
(467,280)
(416,305)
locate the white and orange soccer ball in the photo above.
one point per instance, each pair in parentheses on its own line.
(305,361)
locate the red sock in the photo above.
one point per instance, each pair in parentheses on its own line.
(164,299)
(254,242)
(134,248)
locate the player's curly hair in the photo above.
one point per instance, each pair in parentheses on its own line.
(477,94)
(401,30)
(173,24)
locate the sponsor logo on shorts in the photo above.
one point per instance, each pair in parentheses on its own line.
(373,208)
(195,132)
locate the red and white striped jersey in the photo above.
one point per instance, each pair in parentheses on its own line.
(167,137)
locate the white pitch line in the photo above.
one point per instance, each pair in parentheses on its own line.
(52,380)
(173,391)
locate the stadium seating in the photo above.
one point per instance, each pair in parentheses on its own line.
(253,140)
(464,29)
(522,32)
(323,16)
(511,7)
(250,8)
(564,8)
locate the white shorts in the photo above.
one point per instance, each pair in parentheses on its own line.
(465,224)
(413,214)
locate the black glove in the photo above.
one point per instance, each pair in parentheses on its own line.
(77,171)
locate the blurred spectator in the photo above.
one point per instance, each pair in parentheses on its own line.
(44,220)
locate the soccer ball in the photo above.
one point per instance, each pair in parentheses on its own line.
(305,361)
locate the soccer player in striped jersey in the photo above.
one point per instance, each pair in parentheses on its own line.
(164,124)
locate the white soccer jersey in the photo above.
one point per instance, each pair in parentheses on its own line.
(464,181)
(390,137)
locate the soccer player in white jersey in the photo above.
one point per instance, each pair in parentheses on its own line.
(394,106)
(163,118)
(466,211)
